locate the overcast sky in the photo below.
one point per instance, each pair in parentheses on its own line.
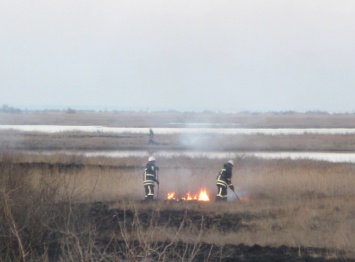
(235,55)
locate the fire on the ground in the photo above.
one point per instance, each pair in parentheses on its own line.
(202,195)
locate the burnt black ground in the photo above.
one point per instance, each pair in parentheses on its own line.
(110,219)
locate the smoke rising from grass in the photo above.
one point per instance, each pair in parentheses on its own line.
(193,141)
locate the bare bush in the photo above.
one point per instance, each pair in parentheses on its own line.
(50,209)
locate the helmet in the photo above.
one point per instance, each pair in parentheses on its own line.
(151,158)
(231,162)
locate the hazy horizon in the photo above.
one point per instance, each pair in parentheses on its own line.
(88,108)
(228,56)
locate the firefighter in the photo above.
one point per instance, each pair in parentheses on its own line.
(150,178)
(224,180)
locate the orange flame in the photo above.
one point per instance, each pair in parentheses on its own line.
(244,199)
(171,196)
(201,196)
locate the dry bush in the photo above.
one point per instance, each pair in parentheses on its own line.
(293,203)
(41,218)
(34,225)
(40,221)
(22,207)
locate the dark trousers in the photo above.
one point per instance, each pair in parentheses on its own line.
(221,193)
(149,192)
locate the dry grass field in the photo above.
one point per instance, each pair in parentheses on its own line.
(73,208)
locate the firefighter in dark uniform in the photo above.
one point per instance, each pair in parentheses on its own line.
(224,180)
(150,178)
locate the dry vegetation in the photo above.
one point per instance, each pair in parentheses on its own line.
(49,212)
(177,119)
(218,142)
(111,141)
(58,207)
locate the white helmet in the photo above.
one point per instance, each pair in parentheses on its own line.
(151,158)
(231,162)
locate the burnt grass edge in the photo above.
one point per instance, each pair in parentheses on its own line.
(107,219)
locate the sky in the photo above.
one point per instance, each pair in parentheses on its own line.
(225,55)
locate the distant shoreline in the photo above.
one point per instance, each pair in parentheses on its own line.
(175,119)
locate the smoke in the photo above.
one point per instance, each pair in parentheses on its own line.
(200,132)
(187,180)
(192,141)
(178,181)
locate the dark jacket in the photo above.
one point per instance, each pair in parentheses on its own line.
(224,177)
(150,174)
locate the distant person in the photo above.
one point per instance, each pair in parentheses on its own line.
(224,180)
(150,178)
(151,137)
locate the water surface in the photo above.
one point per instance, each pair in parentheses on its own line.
(318,156)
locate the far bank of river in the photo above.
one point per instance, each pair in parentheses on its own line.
(319,156)
(188,130)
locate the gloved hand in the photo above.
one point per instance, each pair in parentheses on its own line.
(231,187)
(157,182)
(156,168)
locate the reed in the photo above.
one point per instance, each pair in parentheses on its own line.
(181,119)
(50,208)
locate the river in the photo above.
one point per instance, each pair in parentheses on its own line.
(160,130)
(319,156)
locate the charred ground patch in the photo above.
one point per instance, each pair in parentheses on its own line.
(128,220)
(298,211)
(117,233)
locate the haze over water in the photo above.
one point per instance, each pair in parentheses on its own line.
(230,131)
(320,156)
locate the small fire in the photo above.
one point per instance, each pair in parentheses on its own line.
(203,196)
(244,199)
(171,196)
(200,196)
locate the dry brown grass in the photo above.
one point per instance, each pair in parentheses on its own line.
(293,203)
(218,142)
